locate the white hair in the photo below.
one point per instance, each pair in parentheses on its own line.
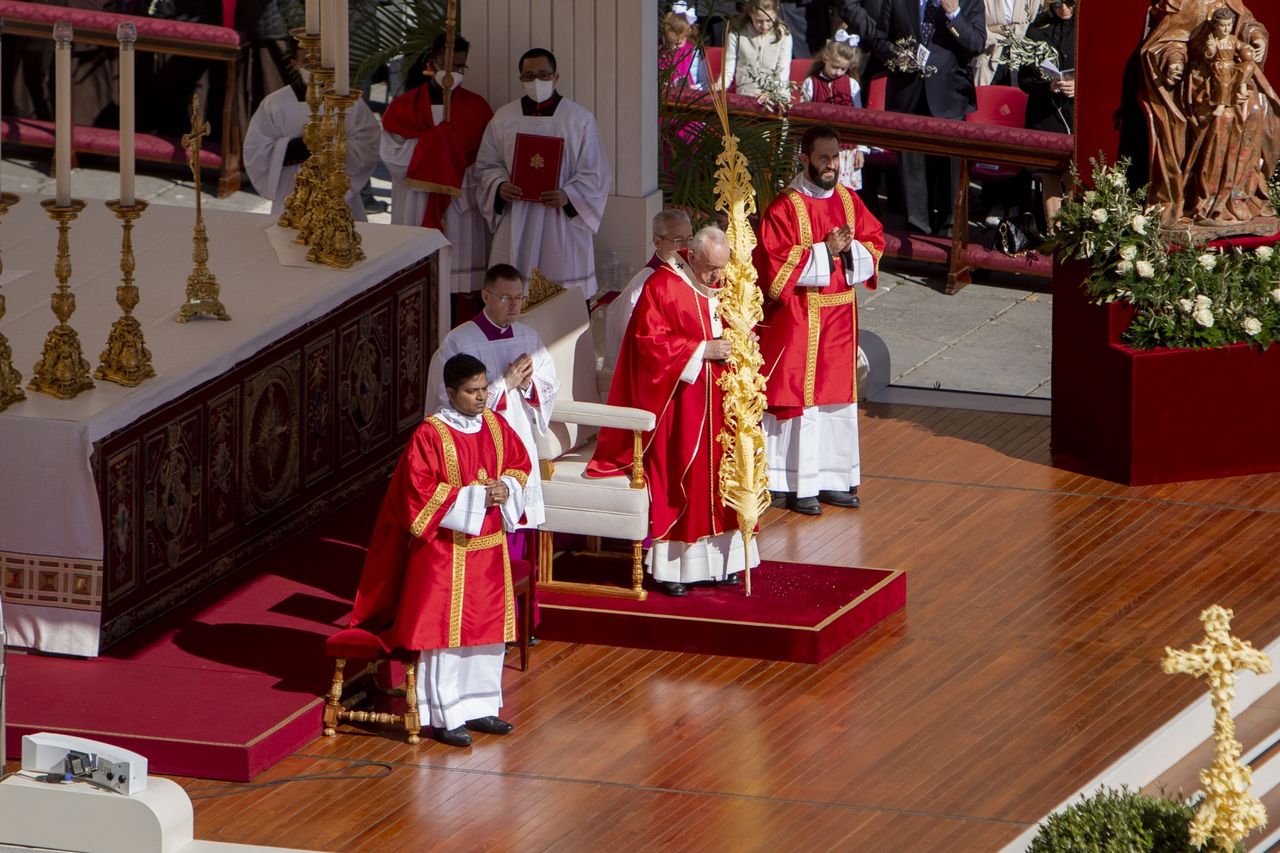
(707,237)
(663,221)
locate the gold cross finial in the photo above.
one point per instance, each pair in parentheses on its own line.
(192,141)
(1229,811)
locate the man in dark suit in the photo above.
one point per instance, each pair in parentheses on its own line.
(953,32)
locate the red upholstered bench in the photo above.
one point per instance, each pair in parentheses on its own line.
(155,35)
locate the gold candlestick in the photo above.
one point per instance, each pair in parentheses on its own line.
(202,287)
(334,239)
(62,370)
(304,203)
(10,379)
(126,359)
(312,133)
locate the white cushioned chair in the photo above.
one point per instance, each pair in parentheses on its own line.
(614,507)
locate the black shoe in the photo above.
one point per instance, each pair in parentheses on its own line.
(452,737)
(777,500)
(732,580)
(490,726)
(844,499)
(675,589)
(804,506)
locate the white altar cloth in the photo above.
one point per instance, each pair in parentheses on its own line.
(48,500)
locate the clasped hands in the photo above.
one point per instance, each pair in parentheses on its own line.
(839,240)
(551,198)
(520,373)
(495,493)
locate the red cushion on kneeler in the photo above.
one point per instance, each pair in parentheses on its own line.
(354,643)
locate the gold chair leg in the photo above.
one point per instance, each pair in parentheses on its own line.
(637,570)
(545,556)
(333,706)
(412,723)
(593,544)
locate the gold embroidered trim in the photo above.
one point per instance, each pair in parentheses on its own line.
(459,580)
(793,257)
(844,297)
(811,355)
(432,187)
(509,600)
(481,543)
(846,199)
(450,452)
(496,431)
(424,517)
(519,476)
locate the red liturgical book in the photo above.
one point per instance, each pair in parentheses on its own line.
(536,166)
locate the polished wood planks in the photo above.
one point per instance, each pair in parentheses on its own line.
(1026,661)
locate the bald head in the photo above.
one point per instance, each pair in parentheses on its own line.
(708,255)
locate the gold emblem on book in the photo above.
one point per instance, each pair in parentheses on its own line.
(536,161)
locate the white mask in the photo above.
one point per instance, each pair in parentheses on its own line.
(539,90)
(439,77)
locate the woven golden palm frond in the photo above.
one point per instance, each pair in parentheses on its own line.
(744,478)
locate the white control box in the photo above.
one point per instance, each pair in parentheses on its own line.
(110,766)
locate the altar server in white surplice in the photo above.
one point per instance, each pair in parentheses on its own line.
(555,233)
(522,376)
(273,146)
(671,232)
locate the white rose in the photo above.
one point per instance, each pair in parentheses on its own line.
(1124,267)
(1099,215)
(1203,302)
(1208,262)
(1145,269)
(1138,224)
(1186,305)
(1204,317)
(1251,326)
(1264,253)
(1118,179)
(1128,252)
(1275,296)
(1090,196)
(1088,250)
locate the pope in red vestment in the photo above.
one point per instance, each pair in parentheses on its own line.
(817,241)
(670,362)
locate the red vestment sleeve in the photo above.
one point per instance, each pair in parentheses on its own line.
(664,332)
(417,499)
(780,255)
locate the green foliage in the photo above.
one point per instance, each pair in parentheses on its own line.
(1184,295)
(380,32)
(1120,821)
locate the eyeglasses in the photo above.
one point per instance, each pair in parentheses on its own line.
(529,76)
(679,241)
(505,300)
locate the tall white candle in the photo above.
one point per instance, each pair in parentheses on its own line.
(327,32)
(62,35)
(127,34)
(342,55)
(313,17)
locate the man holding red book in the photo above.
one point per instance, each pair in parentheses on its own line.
(543,179)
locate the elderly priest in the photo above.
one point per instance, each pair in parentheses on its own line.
(437,577)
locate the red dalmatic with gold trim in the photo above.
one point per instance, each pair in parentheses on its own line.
(427,587)
(809,336)
(681,456)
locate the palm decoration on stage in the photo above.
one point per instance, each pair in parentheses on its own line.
(744,479)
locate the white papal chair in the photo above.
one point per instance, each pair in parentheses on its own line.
(614,507)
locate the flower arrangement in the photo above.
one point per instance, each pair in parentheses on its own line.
(904,58)
(1183,294)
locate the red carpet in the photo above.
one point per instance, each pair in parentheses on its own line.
(223,687)
(796,612)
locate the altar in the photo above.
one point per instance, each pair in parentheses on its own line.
(120,504)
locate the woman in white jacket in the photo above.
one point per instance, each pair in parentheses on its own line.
(757,53)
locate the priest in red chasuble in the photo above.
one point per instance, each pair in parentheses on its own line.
(671,358)
(430,160)
(438,577)
(817,242)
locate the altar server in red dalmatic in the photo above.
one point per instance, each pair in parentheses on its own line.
(430,161)
(817,242)
(437,577)
(671,359)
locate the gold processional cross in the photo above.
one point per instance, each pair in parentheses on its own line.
(202,297)
(1229,811)
(192,141)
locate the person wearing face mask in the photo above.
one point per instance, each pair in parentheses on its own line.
(671,363)
(671,232)
(437,576)
(817,241)
(274,149)
(552,231)
(430,160)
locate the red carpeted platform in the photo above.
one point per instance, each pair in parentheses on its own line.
(796,612)
(225,686)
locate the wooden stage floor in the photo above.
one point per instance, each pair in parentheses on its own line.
(1025,662)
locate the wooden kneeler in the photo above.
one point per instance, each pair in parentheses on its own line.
(359,644)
